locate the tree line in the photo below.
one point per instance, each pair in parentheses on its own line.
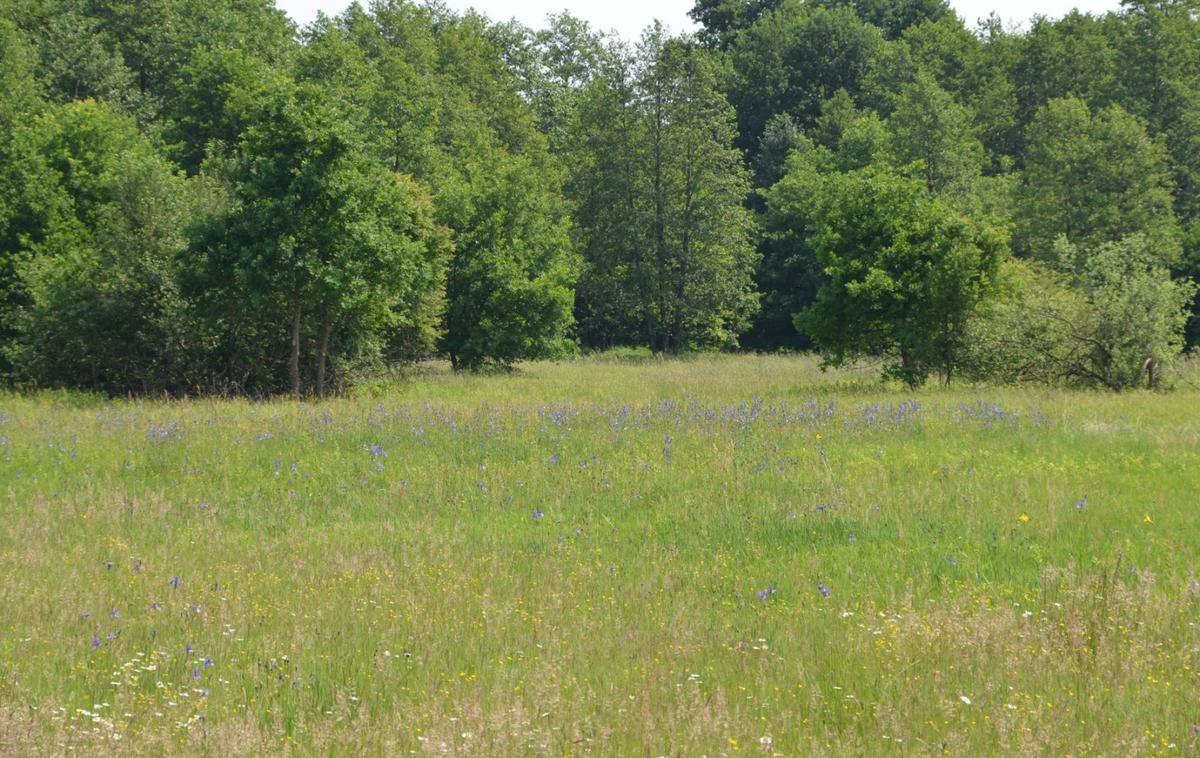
(198,197)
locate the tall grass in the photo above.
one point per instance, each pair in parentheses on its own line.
(711,556)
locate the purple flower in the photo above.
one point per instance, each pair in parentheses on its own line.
(111,636)
(138,566)
(1081,504)
(87,614)
(196,674)
(763,594)
(954,562)
(554,458)
(95,642)
(174,581)
(116,613)
(155,606)
(188,649)
(823,589)
(377,451)
(208,662)
(538,515)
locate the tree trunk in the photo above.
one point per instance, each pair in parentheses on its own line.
(294,361)
(323,350)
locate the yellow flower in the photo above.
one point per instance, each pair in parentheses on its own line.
(1147,520)
(1023,518)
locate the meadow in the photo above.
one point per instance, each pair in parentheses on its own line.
(716,556)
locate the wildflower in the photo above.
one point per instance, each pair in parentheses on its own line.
(954,562)
(966,700)
(763,595)
(1147,519)
(188,649)
(155,606)
(852,538)
(196,674)
(538,515)
(823,589)
(174,581)
(1023,518)
(95,642)
(208,662)
(1081,504)
(116,613)
(108,565)
(87,614)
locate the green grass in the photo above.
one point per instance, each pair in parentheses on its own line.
(405,598)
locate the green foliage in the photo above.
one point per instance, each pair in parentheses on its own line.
(321,252)
(510,284)
(789,274)
(903,273)
(936,134)
(1140,311)
(1033,331)
(1098,327)
(1093,178)
(100,305)
(664,233)
(402,180)
(793,59)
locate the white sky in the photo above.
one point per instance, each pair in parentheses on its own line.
(629,17)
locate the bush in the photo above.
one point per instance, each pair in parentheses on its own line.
(1094,327)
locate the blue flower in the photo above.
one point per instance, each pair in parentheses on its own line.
(538,515)
(95,642)
(174,581)
(823,589)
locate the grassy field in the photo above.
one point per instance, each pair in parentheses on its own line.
(706,557)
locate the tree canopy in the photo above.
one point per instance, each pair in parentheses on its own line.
(199,196)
